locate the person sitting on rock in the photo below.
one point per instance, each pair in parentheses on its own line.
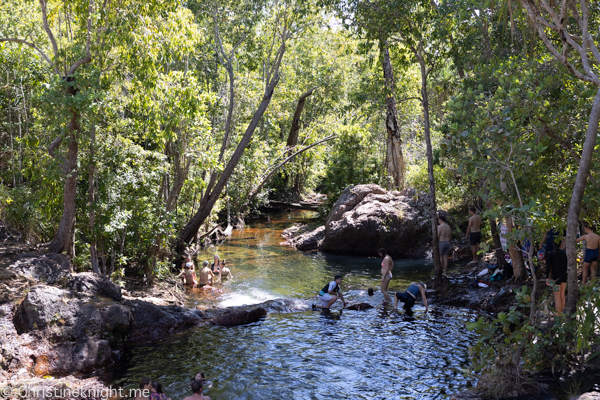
(188,275)
(410,296)
(225,271)
(329,294)
(206,274)
(197,390)
(145,389)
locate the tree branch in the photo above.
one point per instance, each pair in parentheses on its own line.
(33,46)
(47,28)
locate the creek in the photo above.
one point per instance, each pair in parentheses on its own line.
(298,353)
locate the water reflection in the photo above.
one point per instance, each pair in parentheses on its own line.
(380,353)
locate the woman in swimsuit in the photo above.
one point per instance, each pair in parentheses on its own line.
(225,271)
(387,265)
(188,275)
(216,269)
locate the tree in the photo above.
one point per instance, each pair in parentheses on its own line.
(559,24)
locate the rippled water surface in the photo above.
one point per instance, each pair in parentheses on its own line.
(303,354)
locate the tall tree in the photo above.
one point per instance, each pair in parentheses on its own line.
(568,23)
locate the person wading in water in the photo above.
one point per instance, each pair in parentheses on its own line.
(387,265)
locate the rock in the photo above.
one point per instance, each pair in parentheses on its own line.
(46,268)
(367,217)
(57,311)
(152,322)
(117,318)
(68,357)
(239,317)
(359,306)
(587,396)
(466,396)
(307,241)
(94,284)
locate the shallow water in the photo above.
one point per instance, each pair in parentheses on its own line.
(303,354)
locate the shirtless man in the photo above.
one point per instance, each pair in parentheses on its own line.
(387,265)
(444,234)
(145,389)
(474,233)
(206,274)
(197,389)
(591,254)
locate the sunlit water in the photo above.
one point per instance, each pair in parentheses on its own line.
(303,354)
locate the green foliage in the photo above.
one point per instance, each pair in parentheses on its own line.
(513,337)
(353,161)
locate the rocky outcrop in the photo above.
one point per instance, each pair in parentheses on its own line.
(94,284)
(47,268)
(366,218)
(152,322)
(307,241)
(236,318)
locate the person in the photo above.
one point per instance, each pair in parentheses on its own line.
(549,240)
(591,254)
(197,390)
(225,271)
(474,233)
(410,296)
(206,274)
(556,274)
(145,389)
(444,234)
(188,276)
(370,291)
(387,265)
(329,294)
(215,267)
(157,393)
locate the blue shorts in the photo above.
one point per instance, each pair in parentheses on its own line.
(591,255)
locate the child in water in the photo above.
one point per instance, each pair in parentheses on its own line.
(188,275)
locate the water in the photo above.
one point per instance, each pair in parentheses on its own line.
(303,354)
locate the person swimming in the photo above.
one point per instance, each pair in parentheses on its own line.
(200,377)
(157,392)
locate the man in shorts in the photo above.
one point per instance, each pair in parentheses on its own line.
(329,294)
(444,234)
(410,296)
(591,254)
(206,274)
(474,233)
(556,274)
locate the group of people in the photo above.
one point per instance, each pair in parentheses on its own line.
(151,390)
(217,272)
(445,234)
(331,292)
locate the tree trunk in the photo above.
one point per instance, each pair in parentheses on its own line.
(209,199)
(435,251)
(520,274)
(92,203)
(64,233)
(497,244)
(295,130)
(575,204)
(394,158)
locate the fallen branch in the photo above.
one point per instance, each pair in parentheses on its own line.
(276,167)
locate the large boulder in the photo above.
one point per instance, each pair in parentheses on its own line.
(236,318)
(94,284)
(152,322)
(47,268)
(367,217)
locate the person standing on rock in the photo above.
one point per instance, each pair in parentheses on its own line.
(387,265)
(444,235)
(556,274)
(474,233)
(592,243)
(329,294)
